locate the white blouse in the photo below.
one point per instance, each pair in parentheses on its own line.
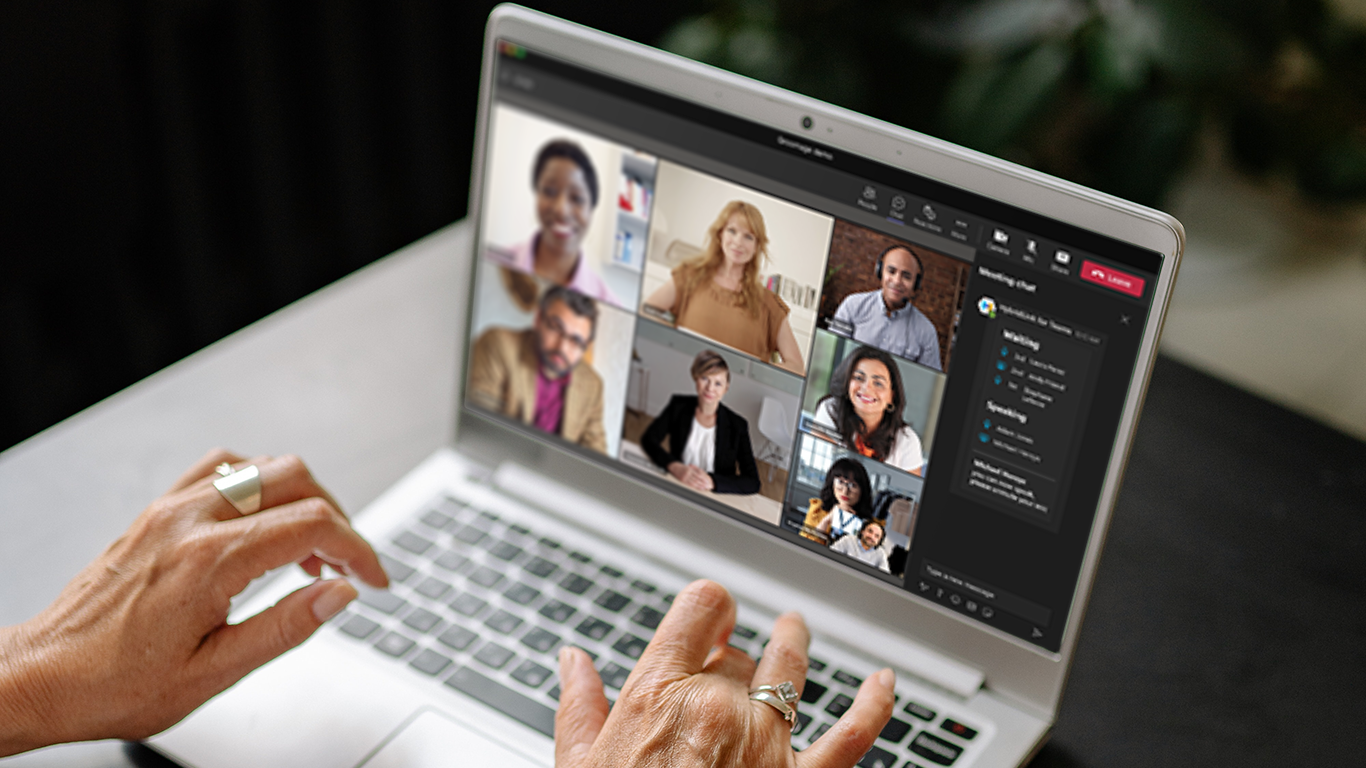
(905,452)
(700,451)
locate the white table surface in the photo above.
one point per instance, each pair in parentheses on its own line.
(357,378)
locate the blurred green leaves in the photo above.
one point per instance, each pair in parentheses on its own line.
(1115,94)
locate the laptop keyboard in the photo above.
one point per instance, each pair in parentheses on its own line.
(482,604)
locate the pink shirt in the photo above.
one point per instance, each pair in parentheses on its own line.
(549,402)
(522,258)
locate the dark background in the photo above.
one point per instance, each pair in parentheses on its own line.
(174,170)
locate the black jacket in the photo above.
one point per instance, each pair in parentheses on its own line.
(733,464)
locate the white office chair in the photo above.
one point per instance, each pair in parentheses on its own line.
(773,425)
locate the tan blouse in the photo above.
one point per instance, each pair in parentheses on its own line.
(717,314)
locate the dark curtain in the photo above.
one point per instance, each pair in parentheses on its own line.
(174,170)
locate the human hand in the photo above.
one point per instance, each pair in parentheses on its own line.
(687,702)
(691,475)
(140,638)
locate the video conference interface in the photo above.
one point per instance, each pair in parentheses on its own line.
(918,383)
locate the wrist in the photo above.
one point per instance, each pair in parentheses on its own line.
(24,711)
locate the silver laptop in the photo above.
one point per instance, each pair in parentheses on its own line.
(921,369)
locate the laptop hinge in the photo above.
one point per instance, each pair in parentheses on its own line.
(755,587)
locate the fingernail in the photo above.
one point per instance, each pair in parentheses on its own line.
(332,600)
(887,677)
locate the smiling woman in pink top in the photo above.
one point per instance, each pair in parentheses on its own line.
(566,187)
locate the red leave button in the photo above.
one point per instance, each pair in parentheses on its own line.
(1123,282)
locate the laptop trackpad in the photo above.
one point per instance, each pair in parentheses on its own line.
(430,739)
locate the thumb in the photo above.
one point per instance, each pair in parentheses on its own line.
(583,707)
(236,649)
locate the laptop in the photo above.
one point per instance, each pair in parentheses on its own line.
(717,329)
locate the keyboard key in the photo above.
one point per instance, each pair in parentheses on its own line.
(522,529)
(745,632)
(398,571)
(504,622)
(436,519)
(548,543)
(803,720)
(575,584)
(838,705)
(554,693)
(591,655)
(878,758)
(614,675)
(457,637)
(895,730)
(669,599)
(594,627)
(470,535)
(844,677)
(648,617)
(521,594)
(557,611)
(359,627)
(432,587)
(813,692)
(489,516)
(494,655)
(422,620)
(539,566)
(540,639)
(935,749)
(381,600)
(500,697)
(610,571)
(919,710)
(819,732)
(581,557)
(630,646)
(958,729)
(429,662)
(816,664)
(505,551)
(413,543)
(485,576)
(451,561)
(394,644)
(644,586)
(531,674)
(468,605)
(613,601)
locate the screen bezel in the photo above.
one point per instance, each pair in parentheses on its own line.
(1013,667)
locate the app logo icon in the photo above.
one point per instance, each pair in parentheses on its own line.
(987,306)
(1062,257)
(1000,237)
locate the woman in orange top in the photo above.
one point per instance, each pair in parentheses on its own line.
(718,294)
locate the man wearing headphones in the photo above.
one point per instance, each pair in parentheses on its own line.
(887,318)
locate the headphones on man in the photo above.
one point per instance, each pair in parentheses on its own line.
(919,276)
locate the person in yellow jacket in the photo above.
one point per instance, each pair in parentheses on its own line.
(846,501)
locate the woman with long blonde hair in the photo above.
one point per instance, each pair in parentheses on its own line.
(718,294)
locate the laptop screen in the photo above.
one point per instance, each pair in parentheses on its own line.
(917,382)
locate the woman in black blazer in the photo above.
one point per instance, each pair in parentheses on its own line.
(708,443)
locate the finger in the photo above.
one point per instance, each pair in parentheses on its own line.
(784,658)
(233,650)
(292,532)
(583,707)
(203,468)
(701,617)
(312,565)
(284,479)
(853,734)
(731,663)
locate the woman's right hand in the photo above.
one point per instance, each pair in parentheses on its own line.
(691,475)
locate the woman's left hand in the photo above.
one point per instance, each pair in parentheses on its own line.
(140,638)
